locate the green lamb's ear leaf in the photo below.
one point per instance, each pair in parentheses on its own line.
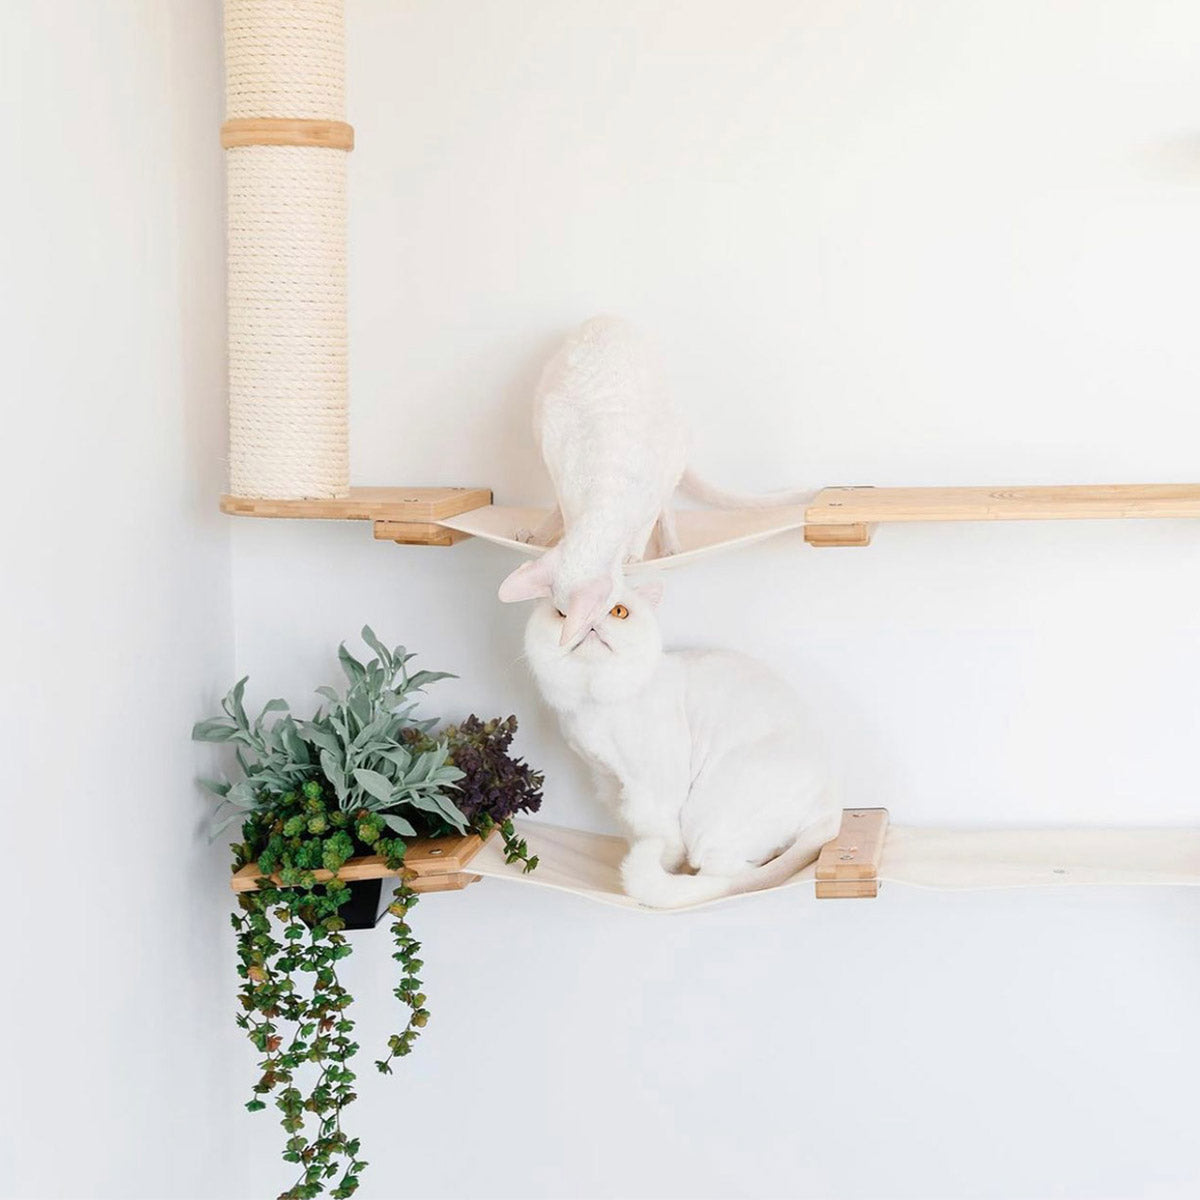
(215,730)
(329,695)
(321,737)
(378,785)
(398,755)
(368,636)
(422,678)
(218,826)
(215,786)
(398,825)
(273,706)
(431,802)
(355,671)
(334,773)
(372,731)
(360,705)
(295,744)
(425,764)
(241,794)
(401,710)
(233,704)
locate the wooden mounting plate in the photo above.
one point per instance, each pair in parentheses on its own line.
(848,867)
(437,863)
(409,505)
(859,506)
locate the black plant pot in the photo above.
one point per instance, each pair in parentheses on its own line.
(368,902)
(369,899)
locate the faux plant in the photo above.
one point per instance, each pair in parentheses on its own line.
(359,777)
(494,786)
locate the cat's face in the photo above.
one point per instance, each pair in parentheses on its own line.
(565,575)
(611,658)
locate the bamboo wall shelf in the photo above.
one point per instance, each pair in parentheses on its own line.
(437,863)
(409,516)
(867,852)
(839,516)
(843,516)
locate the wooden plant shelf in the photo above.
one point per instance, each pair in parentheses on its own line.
(438,864)
(843,516)
(848,867)
(408,515)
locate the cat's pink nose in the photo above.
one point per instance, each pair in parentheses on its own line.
(578,619)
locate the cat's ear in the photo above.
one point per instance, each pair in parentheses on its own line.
(585,606)
(530,581)
(651,592)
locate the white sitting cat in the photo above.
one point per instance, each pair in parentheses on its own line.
(615,445)
(702,754)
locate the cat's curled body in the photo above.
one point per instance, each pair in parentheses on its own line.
(702,755)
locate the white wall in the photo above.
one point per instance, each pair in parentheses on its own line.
(925,243)
(116,1000)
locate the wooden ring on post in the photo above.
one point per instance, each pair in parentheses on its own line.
(287,131)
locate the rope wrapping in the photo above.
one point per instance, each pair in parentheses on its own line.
(286,211)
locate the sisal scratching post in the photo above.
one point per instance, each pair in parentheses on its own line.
(286,141)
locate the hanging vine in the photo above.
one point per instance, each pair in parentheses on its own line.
(360,777)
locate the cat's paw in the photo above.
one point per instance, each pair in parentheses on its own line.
(523,535)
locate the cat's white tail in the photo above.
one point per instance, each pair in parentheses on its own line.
(648,882)
(708,493)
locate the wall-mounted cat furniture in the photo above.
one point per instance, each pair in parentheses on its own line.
(286,139)
(838,516)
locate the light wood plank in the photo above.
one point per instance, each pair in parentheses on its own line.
(847,889)
(407,505)
(428,858)
(444,883)
(869,505)
(838,535)
(406,533)
(444,855)
(848,867)
(287,131)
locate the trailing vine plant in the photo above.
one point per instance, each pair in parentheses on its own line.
(360,777)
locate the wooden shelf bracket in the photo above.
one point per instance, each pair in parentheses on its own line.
(437,863)
(848,867)
(409,516)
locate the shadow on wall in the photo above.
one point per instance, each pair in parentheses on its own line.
(198,174)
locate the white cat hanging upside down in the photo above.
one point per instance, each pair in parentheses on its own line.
(616,449)
(701,753)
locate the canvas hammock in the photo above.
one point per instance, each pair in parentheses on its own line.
(587,864)
(701,531)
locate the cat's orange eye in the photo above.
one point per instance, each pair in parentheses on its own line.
(619,611)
